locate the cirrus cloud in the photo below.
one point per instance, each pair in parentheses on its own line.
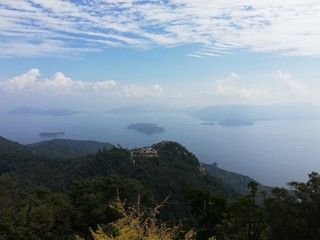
(282,27)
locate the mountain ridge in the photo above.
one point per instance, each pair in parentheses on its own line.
(48,150)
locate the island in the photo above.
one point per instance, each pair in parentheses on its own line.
(236,123)
(258,112)
(51,135)
(146,128)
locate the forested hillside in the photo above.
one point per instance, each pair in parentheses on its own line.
(43,196)
(68,148)
(234,180)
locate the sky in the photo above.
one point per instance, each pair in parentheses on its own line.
(102,53)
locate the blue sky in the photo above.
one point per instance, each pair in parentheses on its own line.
(81,53)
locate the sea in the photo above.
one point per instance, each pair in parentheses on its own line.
(271,152)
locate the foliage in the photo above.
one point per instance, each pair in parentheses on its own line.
(285,215)
(42,215)
(207,208)
(245,218)
(91,198)
(44,197)
(136,224)
(67,148)
(7,188)
(235,180)
(296,216)
(282,213)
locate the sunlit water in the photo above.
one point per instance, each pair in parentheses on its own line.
(272,152)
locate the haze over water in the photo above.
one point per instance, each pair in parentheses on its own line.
(271,152)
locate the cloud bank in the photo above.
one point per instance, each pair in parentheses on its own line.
(294,86)
(60,85)
(53,27)
(230,89)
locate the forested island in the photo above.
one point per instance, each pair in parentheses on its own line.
(146,128)
(107,194)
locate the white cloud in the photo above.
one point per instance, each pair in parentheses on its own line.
(141,91)
(103,86)
(228,87)
(294,86)
(18,48)
(283,27)
(232,88)
(194,55)
(157,90)
(24,82)
(61,85)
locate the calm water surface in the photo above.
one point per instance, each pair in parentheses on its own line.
(272,152)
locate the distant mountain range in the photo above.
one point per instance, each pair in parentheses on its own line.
(150,108)
(258,112)
(216,113)
(37,111)
(233,112)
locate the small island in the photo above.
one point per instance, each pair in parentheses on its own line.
(236,123)
(146,128)
(51,135)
